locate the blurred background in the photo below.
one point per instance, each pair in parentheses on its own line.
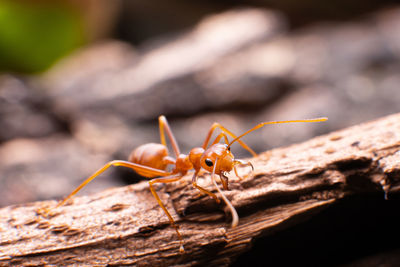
(83,82)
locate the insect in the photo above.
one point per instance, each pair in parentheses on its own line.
(152,160)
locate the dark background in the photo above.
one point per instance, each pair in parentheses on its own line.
(84,83)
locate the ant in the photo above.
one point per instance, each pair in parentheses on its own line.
(151,160)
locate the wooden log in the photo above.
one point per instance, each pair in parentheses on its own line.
(125,226)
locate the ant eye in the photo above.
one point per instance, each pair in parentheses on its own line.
(209,162)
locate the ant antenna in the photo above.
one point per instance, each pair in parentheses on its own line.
(258,126)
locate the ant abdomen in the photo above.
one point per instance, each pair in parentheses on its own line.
(151,155)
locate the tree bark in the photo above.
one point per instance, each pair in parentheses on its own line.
(125,226)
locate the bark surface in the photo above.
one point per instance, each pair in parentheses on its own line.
(125,226)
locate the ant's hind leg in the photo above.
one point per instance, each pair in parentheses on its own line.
(136,167)
(164,126)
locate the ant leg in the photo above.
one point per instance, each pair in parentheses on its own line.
(168,179)
(194,183)
(136,167)
(216,140)
(241,162)
(163,123)
(235,216)
(226,131)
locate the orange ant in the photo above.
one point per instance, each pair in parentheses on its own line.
(151,160)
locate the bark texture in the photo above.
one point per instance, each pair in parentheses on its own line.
(125,226)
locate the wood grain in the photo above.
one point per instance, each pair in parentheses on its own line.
(125,226)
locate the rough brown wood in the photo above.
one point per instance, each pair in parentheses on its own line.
(125,226)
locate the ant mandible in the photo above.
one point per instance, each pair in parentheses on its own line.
(151,160)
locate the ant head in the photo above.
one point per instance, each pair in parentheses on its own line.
(225,161)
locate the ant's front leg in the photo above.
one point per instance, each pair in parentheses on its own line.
(235,216)
(194,183)
(242,162)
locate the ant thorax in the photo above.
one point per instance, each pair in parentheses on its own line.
(182,164)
